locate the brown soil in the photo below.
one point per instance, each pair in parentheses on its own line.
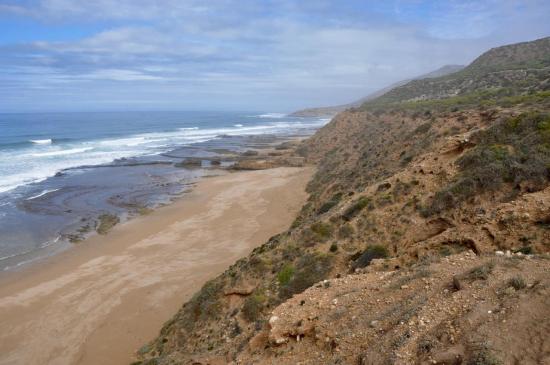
(446,312)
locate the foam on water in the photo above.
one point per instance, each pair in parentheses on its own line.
(42,194)
(62,152)
(41,141)
(43,158)
(33,211)
(272,115)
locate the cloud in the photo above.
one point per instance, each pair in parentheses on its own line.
(244,54)
(70,10)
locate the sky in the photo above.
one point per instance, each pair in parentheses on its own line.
(265,55)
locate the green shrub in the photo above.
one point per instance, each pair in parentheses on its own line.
(346,231)
(423,128)
(327,206)
(481,272)
(310,269)
(355,208)
(384,199)
(324,230)
(333,247)
(517,283)
(297,222)
(334,200)
(497,96)
(513,151)
(445,251)
(285,274)
(253,306)
(371,253)
(526,250)
(205,303)
(406,160)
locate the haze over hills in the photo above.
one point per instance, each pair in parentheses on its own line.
(333,110)
(424,240)
(507,70)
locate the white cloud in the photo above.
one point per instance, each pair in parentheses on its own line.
(250,53)
(119,75)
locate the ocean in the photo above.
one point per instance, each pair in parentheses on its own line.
(60,171)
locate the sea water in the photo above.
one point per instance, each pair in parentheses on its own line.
(61,170)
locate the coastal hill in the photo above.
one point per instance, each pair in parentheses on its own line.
(425,239)
(507,70)
(333,110)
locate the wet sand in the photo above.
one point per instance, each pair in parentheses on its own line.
(100,301)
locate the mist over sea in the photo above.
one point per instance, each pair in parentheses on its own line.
(59,171)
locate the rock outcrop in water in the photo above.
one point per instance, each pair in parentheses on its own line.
(425,239)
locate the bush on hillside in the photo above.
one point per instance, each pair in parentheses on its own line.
(515,151)
(253,306)
(285,274)
(310,269)
(517,282)
(355,208)
(321,229)
(205,303)
(371,253)
(480,272)
(423,128)
(346,231)
(334,200)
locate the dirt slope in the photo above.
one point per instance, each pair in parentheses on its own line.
(459,309)
(417,195)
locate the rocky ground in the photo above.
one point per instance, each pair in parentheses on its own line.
(425,240)
(459,309)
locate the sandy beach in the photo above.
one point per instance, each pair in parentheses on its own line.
(98,302)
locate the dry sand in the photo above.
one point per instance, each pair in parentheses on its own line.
(100,301)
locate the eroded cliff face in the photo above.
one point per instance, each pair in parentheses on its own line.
(461,309)
(431,223)
(403,188)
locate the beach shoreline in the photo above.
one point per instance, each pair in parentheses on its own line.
(101,300)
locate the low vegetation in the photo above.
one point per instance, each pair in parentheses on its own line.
(323,230)
(515,151)
(310,269)
(327,206)
(205,304)
(371,253)
(481,272)
(467,163)
(355,208)
(484,356)
(500,97)
(253,306)
(285,274)
(517,282)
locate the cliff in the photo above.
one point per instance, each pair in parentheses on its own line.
(425,238)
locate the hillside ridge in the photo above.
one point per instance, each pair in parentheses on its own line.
(333,110)
(425,238)
(507,70)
